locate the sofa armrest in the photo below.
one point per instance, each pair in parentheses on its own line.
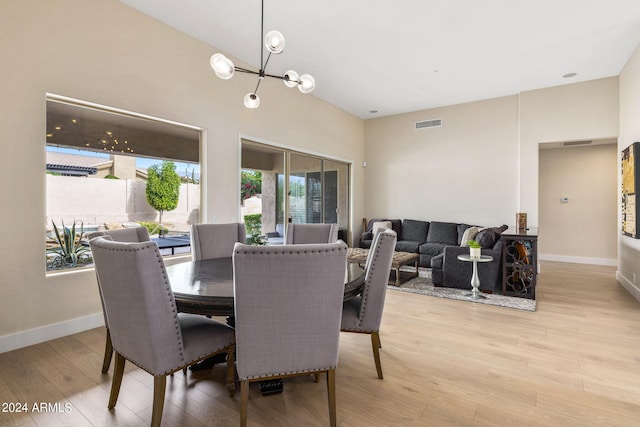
(367,235)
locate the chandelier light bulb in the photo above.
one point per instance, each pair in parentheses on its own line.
(274,42)
(307,83)
(222,66)
(251,100)
(290,78)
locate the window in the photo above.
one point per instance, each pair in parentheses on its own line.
(98,162)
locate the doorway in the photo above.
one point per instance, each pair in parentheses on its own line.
(295,187)
(578,201)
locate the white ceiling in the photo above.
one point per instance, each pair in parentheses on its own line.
(408,55)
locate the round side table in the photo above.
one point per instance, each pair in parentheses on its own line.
(475,281)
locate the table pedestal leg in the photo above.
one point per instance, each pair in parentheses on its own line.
(475,284)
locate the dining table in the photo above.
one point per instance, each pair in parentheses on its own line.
(206,286)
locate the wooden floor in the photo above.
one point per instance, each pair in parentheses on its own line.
(573,362)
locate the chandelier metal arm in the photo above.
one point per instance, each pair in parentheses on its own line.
(244,70)
(257,73)
(257,86)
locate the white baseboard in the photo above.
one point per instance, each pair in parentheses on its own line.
(49,332)
(578,259)
(628,285)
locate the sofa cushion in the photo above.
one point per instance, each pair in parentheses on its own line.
(486,238)
(432,249)
(396,225)
(365,244)
(443,232)
(414,230)
(489,236)
(407,246)
(380,224)
(469,234)
(461,229)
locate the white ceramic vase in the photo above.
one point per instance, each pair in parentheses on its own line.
(475,252)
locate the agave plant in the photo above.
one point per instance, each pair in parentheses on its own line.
(69,249)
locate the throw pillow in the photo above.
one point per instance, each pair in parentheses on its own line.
(380,224)
(486,238)
(469,234)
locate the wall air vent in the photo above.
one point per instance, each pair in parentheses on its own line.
(429,124)
(575,143)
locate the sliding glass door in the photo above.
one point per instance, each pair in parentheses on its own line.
(298,187)
(305,189)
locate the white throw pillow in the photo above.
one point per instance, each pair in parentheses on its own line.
(381,224)
(469,234)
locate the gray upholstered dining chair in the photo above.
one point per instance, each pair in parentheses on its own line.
(145,327)
(133,234)
(215,240)
(288,301)
(363,314)
(311,233)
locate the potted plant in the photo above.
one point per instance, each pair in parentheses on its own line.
(253,225)
(475,249)
(69,250)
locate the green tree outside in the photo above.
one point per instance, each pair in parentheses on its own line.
(163,187)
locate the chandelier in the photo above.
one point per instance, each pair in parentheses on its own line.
(274,42)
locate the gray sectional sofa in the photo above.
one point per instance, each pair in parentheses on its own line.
(439,244)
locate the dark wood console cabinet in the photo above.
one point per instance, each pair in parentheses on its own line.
(520,262)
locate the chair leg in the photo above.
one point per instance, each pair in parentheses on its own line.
(331,392)
(231,372)
(244,400)
(159,386)
(375,343)
(108,353)
(118,371)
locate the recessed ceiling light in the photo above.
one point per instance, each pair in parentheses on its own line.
(373,111)
(569,75)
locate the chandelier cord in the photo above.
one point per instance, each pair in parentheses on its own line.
(262,64)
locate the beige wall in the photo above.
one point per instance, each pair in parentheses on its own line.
(585,228)
(629,249)
(481,166)
(573,112)
(464,171)
(104,52)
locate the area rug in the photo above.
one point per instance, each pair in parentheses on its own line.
(423,285)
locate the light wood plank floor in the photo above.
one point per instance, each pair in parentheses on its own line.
(573,362)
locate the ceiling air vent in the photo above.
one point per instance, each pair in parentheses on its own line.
(429,124)
(574,143)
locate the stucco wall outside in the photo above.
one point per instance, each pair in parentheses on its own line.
(100,201)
